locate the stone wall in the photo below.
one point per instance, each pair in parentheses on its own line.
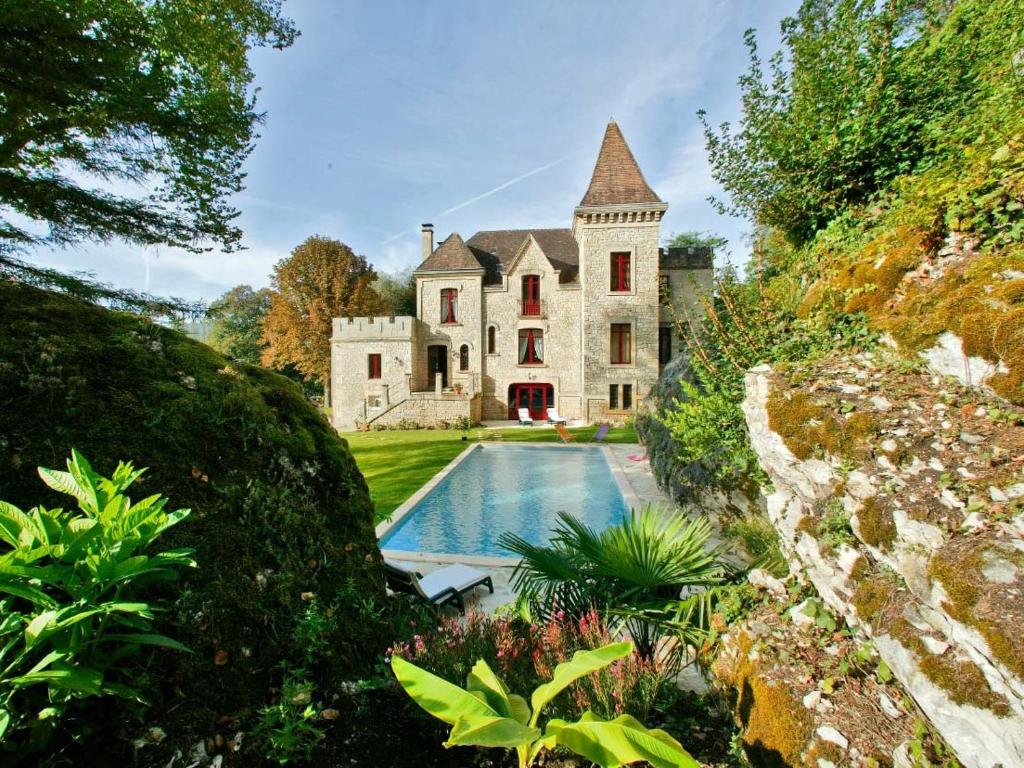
(425,409)
(600,233)
(468,328)
(354,396)
(896,495)
(559,322)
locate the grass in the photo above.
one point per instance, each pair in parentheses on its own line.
(396,463)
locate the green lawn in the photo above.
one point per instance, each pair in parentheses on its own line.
(395,464)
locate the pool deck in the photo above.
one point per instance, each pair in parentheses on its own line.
(635,480)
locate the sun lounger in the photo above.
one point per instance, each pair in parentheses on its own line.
(554,418)
(441,587)
(525,418)
(601,434)
(564,433)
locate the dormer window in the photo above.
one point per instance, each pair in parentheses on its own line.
(531,296)
(620,272)
(449,305)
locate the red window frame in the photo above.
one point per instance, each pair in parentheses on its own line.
(449,305)
(531,296)
(620,271)
(373,365)
(621,344)
(530,357)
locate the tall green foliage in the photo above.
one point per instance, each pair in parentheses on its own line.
(128,119)
(238,323)
(847,105)
(487,714)
(72,607)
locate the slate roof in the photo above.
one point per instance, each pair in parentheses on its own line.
(617,178)
(495,250)
(450,255)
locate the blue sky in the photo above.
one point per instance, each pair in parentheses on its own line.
(471,115)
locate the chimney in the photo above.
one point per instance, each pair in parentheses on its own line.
(428,240)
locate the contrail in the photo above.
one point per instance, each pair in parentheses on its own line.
(488,193)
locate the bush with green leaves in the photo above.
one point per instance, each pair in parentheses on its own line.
(287,730)
(634,572)
(73,605)
(487,714)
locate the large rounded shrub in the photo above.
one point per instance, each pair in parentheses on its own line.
(280,510)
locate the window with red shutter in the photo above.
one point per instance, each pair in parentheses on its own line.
(621,344)
(620,271)
(373,366)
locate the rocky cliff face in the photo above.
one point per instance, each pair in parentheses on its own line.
(898,495)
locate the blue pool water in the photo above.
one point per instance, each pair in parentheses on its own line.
(500,488)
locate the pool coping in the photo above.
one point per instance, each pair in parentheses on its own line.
(396,517)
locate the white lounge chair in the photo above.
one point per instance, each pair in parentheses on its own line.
(525,418)
(554,418)
(447,585)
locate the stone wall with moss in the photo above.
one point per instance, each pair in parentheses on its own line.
(900,496)
(280,511)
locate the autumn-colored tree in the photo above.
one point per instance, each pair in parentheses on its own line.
(321,280)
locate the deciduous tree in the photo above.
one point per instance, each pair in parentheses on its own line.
(398,292)
(238,323)
(321,280)
(128,118)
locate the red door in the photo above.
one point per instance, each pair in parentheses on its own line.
(536,398)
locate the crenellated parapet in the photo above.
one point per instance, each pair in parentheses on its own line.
(393,328)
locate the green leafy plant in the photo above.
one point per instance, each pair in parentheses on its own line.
(288,729)
(634,570)
(486,714)
(72,608)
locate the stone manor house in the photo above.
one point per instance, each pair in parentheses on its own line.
(580,319)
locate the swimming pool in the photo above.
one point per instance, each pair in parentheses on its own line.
(517,488)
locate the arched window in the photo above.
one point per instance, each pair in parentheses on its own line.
(464,357)
(492,340)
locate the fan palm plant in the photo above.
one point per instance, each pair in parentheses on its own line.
(656,572)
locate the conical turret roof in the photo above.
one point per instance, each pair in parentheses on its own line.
(617,178)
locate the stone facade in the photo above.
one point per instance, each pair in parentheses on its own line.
(507,287)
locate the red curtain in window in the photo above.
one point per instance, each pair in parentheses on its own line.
(374,366)
(449,305)
(531,346)
(531,295)
(620,271)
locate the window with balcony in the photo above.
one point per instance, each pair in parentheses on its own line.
(464,357)
(531,346)
(620,271)
(621,344)
(531,296)
(449,305)
(373,366)
(492,340)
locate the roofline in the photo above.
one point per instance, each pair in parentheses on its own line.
(621,207)
(479,271)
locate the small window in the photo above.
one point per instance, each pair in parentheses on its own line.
(464,357)
(531,346)
(665,289)
(449,305)
(492,342)
(664,344)
(531,296)
(621,344)
(620,271)
(373,366)
(613,397)
(627,397)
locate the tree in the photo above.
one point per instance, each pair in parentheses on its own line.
(121,118)
(398,291)
(691,238)
(238,323)
(321,280)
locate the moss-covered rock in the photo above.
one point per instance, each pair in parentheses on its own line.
(280,509)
